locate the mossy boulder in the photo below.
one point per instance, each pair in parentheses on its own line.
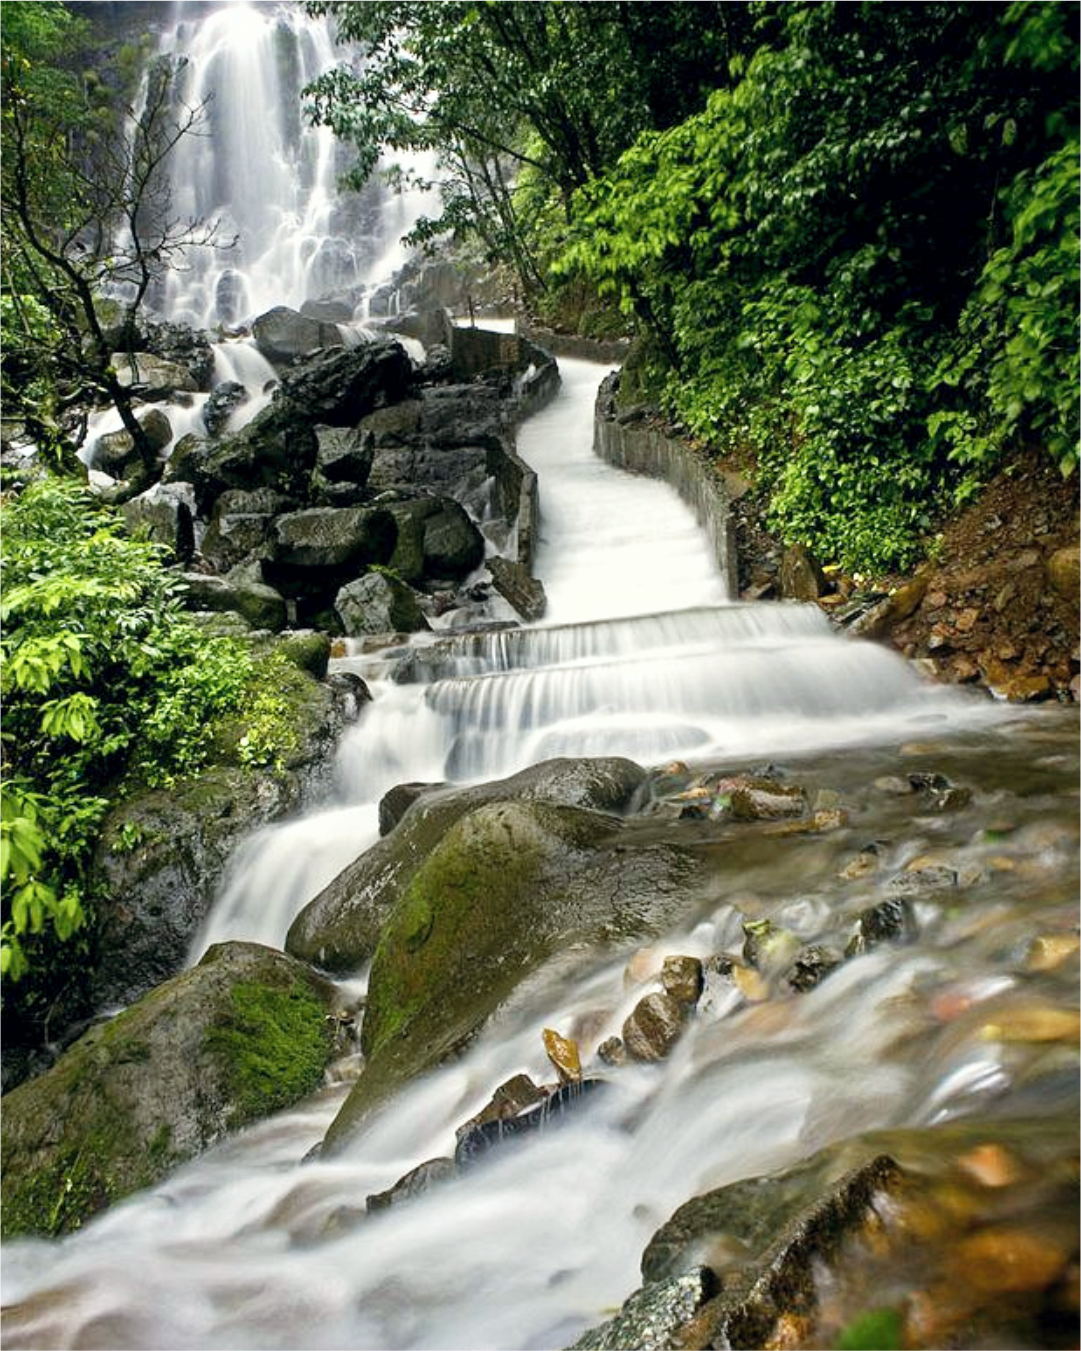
(510,885)
(378,603)
(338,930)
(239,1036)
(163,851)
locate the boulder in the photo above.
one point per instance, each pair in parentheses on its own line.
(653,1027)
(240,525)
(115,452)
(453,546)
(377,603)
(275,450)
(344,456)
(163,853)
(328,539)
(339,928)
(243,591)
(153,376)
(338,388)
(185,347)
(165,514)
(282,334)
(766,1241)
(510,885)
(223,402)
(239,1036)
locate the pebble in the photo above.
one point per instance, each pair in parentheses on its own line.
(1036,1023)
(1050,951)
(991,1165)
(563,1053)
(1007,1258)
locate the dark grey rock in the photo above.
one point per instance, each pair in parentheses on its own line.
(377,603)
(282,334)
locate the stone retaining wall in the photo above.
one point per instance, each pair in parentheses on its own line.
(627,440)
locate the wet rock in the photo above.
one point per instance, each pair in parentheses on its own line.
(801,576)
(276,450)
(154,375)
(811,966)
(240,525)
(453,546)
(683,979)
(328,539)
(282,334)
(344,457)
(517,1095)
(925,879)
(231,1040)
(340,927)
(653,1027)
(396,802)
(223,402)
(563,1053)
(518,588)
(508,887)
(242,591)
(339,388)
(378,603)
(611,1051)
(891,921)
(115,452)
(767,947)
(163,853)
(415,1183)
(762,799)
(766,1239)
(552,1111)
(650,1319)
(165,514)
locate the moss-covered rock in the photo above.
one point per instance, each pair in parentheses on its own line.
(163,851)
(509,885)
(339,929)
(239,1036)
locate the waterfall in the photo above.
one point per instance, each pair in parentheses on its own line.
(265,175)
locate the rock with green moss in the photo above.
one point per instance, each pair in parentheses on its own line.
(239,1036)
(163,851)
(338,930)
(379,603)
(510,885)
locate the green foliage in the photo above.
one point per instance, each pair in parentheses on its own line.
(859,262)
(104,679)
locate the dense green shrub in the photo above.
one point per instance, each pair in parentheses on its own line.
(860,261)
(105,682)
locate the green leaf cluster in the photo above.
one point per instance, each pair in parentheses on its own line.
(105,682)
(859,263)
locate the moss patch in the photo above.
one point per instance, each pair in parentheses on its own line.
(273,1043)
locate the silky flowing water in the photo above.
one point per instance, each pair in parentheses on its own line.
(959,1040)
(250,1246)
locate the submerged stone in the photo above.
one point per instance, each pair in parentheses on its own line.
(552,1111)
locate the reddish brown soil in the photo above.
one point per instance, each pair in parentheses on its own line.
(1001,602)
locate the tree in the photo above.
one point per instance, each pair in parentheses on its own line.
(549,91)
(87,223)
(859,262)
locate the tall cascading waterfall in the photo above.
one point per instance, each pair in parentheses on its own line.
(265,175)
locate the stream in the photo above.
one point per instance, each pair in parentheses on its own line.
(958,1044)
(641,654)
